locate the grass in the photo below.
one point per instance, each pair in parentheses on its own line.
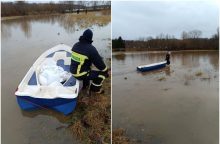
(87,20)
(161,79)
(10,17)
(91,121)
(118,137)
(77,129)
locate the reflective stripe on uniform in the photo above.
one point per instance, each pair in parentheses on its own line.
(96,84)
(102,77)
(80,59)
(105,69)
(80,74)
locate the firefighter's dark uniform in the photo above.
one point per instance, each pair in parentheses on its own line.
(84,54)
(168,58)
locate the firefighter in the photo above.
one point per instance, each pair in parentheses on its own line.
(84,54)
(168,58)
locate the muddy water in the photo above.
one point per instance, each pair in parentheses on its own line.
(23,40)
(173,105)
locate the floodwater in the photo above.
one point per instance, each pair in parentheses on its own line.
(23,40)
(174,105)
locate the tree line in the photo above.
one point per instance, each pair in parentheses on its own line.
(191,40)
(20,8)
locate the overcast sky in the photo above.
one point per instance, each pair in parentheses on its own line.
(133,20)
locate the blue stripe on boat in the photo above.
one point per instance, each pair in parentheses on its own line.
(33,80)
(68,54)
(70,82)
(62,105)
(25,105)
(51,55)
(66,108)
(46,102)
(61,64)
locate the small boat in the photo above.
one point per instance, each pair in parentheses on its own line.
(154,66)
(62,97)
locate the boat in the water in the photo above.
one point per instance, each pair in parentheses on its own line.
(154,66)
(60,95)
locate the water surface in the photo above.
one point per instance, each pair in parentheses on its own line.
(174,105)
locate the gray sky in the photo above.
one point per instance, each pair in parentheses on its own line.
(135,19)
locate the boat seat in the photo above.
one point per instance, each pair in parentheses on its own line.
(33,80)
(61,64)
(68,54)
(70,82)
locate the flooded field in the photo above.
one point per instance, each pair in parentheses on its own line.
(23,40)
(173,105)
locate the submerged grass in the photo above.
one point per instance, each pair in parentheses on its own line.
(87,20)
(77,129)
(161,79)
(199,73)
(91,121)
(118,137)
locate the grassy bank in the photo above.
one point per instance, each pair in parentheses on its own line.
(92,14)
(167,43)
(91,121)
(157,50)
(10,17)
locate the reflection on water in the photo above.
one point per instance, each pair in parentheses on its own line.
(70,22)
(120,57)
(168,71)
(173,105)
(26,28)
(23,41)
(42,112)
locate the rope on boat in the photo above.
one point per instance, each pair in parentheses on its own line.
(40,106)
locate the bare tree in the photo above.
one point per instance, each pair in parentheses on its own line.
(184,35)
(216,36)
(70,5)
(195,34)
(94,5)
(24,8)
(80,4)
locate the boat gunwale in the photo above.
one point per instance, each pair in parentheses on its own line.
(151,65)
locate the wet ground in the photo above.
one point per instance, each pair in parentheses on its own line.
(23,40)
(174,105)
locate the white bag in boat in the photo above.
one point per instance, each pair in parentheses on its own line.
(50,73)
